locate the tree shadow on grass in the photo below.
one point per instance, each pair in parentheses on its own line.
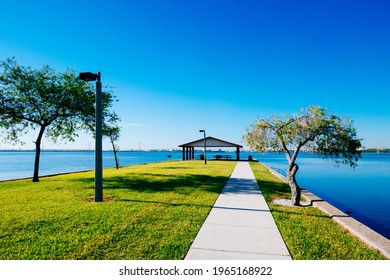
(149,182)
(170,204)
(271,189)
(288,210)
(175,167)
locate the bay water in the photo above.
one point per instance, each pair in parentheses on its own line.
(364,192)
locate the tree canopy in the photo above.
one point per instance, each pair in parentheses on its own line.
(315,129)
(58,104)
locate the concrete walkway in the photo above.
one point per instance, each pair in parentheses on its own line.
(240,224)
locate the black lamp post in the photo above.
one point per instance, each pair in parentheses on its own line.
(204,144)
(89,77)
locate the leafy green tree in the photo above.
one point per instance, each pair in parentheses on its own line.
(58,105)
(315,130)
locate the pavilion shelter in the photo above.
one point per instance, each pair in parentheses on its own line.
(211,142)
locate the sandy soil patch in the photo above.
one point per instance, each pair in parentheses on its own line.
(287,202)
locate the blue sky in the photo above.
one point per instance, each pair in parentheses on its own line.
(180,66)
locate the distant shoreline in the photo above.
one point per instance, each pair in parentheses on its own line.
(81,150)
(371,150)
(379,151)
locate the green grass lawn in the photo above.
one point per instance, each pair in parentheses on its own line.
(308,232)
(152,211)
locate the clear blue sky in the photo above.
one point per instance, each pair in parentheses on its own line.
(180,66)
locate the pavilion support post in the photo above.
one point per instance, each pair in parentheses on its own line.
(183,153)
(187,153)
(238,153)
(193,152)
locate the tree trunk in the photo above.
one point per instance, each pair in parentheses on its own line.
(292,170)
(116,159)
(115,152)
(38,154)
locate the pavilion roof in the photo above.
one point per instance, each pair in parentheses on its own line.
(210,142)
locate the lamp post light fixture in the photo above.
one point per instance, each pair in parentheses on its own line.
(89,77)
(204,144)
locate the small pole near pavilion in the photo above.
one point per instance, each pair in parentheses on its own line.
(204,144)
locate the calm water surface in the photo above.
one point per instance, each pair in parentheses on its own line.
(365,190)
(20,164)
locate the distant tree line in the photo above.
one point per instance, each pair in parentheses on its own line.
(376,150)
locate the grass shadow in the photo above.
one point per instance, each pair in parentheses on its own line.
(276,189)
(290,211)
(151,182)
(169,204)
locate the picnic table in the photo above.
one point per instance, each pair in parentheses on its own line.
(227,157)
